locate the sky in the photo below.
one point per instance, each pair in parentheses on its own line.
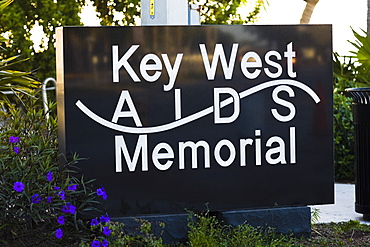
(342,14)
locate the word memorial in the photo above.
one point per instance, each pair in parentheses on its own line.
(170,119)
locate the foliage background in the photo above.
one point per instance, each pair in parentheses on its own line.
(23,15)
(349,72)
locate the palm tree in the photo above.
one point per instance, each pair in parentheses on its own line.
(307,12)
(368,16)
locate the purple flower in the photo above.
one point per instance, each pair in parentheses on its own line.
(13,139)
(104,218)
(61,220)
(36,198)
(95,243)
(16,150)
(56,188)
(59,233)
(106,230)
(49,176)
(69,208)
(62,195)
(72,209)
(65,209)
(18,186)
(101,192)
(105,243)
(72,187)
(94,222)
(49,199)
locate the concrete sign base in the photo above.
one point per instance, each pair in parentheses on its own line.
(287,220)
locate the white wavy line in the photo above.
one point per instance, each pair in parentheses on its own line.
(195,116)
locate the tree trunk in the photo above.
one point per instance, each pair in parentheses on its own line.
(307,12)
(368,17)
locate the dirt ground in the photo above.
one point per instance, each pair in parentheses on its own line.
(350,233)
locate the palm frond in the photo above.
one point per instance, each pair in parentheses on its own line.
(4,4)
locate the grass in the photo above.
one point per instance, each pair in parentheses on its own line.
(207,231)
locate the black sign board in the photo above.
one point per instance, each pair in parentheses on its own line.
(174,117)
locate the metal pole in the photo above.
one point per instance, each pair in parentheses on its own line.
(194,14)
(45,96)
(167,12)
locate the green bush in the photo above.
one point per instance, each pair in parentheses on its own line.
(343,120)
(207,231)
(343,139)
(41,203)
(118,237)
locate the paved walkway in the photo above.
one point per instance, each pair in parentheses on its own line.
(344,207)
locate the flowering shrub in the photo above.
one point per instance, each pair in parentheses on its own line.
(40,201)
(107,233)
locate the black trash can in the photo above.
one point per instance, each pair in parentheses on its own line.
(361,120)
